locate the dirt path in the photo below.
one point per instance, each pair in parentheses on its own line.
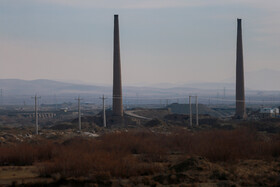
(132,114)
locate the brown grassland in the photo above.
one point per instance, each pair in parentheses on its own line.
(228,157)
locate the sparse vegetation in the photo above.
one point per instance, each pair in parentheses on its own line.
(142,153)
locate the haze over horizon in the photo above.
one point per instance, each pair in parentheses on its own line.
(171,41)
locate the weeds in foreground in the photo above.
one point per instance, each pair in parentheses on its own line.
(136,153)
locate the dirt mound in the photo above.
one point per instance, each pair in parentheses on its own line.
(196,170)
(63,126)
(266,126)
(185,109)
(192,163)
(177,117)
(155,123)
(97,119)
(153,113)
(173,179)
(183,119)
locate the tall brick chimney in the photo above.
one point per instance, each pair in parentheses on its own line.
(117,82)
(240,112)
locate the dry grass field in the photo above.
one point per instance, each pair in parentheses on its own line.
(240,157)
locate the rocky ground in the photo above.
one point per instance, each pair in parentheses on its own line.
(191,171)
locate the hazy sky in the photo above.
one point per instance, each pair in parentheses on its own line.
(175,41)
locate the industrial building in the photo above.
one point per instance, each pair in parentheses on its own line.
(269,112)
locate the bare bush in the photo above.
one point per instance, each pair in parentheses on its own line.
(136,153)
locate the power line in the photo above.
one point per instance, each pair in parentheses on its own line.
(233,100)
(161,100)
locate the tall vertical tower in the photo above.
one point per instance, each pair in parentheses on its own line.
(117,82)
(240,91)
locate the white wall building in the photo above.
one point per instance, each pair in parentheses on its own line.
(269,112)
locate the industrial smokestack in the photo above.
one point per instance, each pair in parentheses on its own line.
(240,91)
(117,82)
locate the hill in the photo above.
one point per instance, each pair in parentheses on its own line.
(202,109)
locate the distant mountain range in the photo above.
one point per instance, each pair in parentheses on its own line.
(50,87)
(262,80)
(45,87)
(265,79)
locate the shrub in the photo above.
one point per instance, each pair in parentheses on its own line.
(134,153)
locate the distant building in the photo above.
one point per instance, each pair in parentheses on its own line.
(65,109)
(269,112)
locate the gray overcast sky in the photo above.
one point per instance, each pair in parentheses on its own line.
(174,41)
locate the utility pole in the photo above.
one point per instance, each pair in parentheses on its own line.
(218,95)
(79,113)
(196,103)
(125,102)
(190,104)
(224,97)
(55,102)
(104,112)
(137,99)
(23,108)
(1,92)
(36,114)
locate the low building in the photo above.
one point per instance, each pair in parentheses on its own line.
(65,109)
(269,112)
